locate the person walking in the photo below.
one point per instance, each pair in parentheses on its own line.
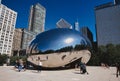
(117,69)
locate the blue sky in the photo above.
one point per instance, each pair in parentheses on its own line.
(70,10)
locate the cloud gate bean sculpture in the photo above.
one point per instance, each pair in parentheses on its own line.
(59,47)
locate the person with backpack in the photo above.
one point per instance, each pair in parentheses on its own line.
(83,68)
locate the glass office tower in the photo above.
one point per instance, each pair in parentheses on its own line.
(108,24)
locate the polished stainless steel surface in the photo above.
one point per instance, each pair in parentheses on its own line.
(56,39)
(64,45)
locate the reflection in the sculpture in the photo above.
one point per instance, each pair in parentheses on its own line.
(58,40)
(59,47)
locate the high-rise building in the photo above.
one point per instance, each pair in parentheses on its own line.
(63,24)
(27,38)
(76,26)
(86,32)
(17,40)
(7,27)
(36,26)
(37,18)
(108,24)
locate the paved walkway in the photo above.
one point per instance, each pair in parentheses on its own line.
(95,74)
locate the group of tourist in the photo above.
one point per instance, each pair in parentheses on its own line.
(117,65)
(83,69)
(20,65)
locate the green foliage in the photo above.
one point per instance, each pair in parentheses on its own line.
(94,60)
(109,54)
(14,58)
(3,59)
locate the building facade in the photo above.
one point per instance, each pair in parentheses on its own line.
(27,38)
(108,24)
(86,31)
(62,23)
(76,26)
(7,27)
(35,26)
(37,18)
(17,40)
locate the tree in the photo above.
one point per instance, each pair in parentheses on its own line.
(14,58)
(3,59)
(109,54)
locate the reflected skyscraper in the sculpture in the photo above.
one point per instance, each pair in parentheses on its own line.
(58,38)
(63,44)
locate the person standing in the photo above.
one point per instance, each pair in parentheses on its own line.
(16,64)
(118,69)
(20,65)
(83,68)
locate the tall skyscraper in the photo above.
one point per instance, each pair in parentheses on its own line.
(108,24)
(86,32)
(37,18)
(7,27)
(76,26)
(63,24)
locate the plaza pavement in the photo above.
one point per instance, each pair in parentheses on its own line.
(95,74)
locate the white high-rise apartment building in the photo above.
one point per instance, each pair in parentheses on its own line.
(7,27)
